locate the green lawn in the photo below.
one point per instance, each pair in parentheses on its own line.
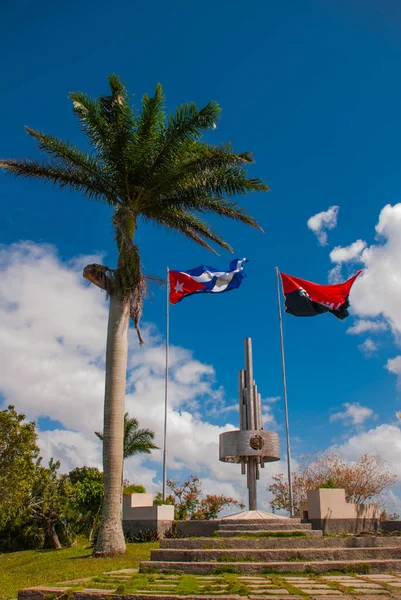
(39,567)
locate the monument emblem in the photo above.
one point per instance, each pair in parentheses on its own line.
(256,442)
(250,446)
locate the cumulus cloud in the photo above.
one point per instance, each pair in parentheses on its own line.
(394,365)
(377,292)
(336,274)
(354,414)
(322,222)
(384,440)
(364,326)
(53,332)
(368,347)
(351,253)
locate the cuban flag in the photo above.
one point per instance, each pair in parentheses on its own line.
(205,280)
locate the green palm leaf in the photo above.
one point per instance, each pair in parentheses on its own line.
(136,441)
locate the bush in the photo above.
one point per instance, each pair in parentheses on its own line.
(173,534)
(134,489)
(21,534)
(141,537)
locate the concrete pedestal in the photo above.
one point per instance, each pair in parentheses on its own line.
(140,514)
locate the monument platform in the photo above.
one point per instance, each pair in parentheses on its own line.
(253,515)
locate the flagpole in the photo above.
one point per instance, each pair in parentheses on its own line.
(287,432)
(166,383)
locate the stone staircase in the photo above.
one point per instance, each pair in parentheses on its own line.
(234,528)
(283,546)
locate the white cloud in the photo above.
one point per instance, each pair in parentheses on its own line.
(368,347)
(322,222)
(336,275)
(394,365)
(384,440)
(52,334)
(364,325)
(351,253)
(52,331)
(72,448)
(272,399)
(354,414)
(377,292)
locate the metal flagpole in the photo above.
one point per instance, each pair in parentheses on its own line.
(287,432)
(166,382)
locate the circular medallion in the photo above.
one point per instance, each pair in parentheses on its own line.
(256,442)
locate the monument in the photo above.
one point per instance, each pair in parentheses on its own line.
(251,445)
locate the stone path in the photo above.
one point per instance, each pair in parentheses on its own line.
(130,584)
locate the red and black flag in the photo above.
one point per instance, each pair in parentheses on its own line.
(306,299)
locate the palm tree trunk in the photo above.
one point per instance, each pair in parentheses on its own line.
(110,540)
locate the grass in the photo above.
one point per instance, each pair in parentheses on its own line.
(44,567)
(282,583)
(363,568)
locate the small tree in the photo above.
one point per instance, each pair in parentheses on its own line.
(86,499)
(48,502)
(365,480)
(18,453)
(190,504)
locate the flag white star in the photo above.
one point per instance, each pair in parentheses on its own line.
(178,287)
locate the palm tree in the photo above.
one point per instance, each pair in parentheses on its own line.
(149,167)
(136,441)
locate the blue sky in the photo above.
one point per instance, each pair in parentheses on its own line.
(312,88)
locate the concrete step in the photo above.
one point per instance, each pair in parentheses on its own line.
(276,555)
(284,543)
(295,521)
(265,526)
(236,532)
(206,568)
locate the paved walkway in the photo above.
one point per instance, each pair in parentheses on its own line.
(128,582)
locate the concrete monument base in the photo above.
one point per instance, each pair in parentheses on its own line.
(140,514)
(328,510)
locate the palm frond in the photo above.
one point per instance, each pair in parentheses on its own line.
(151,120)
(189,225)
(68,155)
(185,125)
(92,124)
(117,111)
(150,128)
(137,441)
(194,200)
(118,114)
(207,160)
(76,180)
(232,181)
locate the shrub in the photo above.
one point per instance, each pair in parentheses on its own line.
(134,489)
(141,537)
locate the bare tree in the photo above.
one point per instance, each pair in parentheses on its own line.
(364,480)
